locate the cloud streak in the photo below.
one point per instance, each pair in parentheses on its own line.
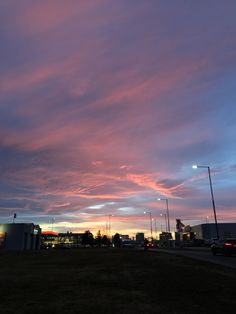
(111,103)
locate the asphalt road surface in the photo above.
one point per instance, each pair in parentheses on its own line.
(203,254)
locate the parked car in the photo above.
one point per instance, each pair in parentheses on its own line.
(126,244)
(62,246)
(226,247)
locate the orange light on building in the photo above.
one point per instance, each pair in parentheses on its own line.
(49,233)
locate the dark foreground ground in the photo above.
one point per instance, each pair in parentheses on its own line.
(110,281)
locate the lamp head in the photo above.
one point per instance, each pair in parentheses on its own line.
(194,166)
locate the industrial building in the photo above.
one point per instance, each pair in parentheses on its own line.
(207,231)
(20,236)
(140,238)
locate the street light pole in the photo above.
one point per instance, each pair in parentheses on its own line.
(161,227)
(155,221)
(165,220)
(106,229)
(213,203)
(109,225)
(52,223)
(167,211)
(212,197)
(150,217)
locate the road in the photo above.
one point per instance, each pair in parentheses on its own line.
(203,254)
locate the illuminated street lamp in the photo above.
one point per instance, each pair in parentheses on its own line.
(167,211)
(212,196)
(150,216)
(165,220)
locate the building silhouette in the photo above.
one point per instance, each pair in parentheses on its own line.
(20,236)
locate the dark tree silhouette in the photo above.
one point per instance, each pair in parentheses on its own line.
(116,240)
(87,238)
(98,240)
(106,241)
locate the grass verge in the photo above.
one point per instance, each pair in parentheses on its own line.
(110,281)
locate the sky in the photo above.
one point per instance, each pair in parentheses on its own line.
(106,105)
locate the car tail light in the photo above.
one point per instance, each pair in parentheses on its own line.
(228,244)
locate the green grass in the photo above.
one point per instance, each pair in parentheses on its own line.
(110,281)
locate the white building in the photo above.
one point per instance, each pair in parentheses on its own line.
(208,231)
(20,236)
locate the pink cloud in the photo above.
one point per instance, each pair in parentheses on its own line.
(46,15)
(99,107)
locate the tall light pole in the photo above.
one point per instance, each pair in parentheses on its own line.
(155,221)
(165,220)
(150,216)
(106,228)
(212,196)
(109,225)
(161,227)
(53,219)
(167,211)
